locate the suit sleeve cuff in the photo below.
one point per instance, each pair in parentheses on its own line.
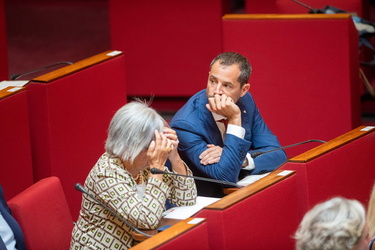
(236,131)
(250,161)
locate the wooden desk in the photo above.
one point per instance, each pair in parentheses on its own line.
(236,196)
(83,64)
(8,91)
(163,222)
(247,217)
(182,235)
(333,144)
(343,166)
(272,178)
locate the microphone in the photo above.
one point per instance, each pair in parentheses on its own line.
(258,153)
(79,187)
(313,11)
(158,171)
(16,76)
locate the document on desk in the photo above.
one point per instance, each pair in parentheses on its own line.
(251,179)
(6,84)
(185,212)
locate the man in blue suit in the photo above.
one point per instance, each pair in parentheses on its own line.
(11,236)
(212,149)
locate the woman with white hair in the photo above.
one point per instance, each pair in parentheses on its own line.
(138,140)
(338,223)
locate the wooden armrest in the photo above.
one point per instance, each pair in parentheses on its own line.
(178,228)
(5,92)
(242,193)
(163,222)
(70,69)
(285,16)
(333,144)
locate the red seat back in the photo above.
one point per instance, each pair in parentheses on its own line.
(43,214)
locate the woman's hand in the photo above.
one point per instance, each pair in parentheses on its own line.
(172,137)
(158,151)
(174,157)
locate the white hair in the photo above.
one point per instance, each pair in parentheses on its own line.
(132,129)
(335,224)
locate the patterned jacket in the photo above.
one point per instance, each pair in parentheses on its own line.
(110,182)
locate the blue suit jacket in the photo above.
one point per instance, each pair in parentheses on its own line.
(5,211)
(196,127)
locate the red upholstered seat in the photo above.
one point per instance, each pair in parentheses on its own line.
(44,215)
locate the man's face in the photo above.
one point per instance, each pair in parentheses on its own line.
(224,80)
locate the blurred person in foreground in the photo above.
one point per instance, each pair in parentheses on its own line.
(338,223)
(138,140)
(371,218)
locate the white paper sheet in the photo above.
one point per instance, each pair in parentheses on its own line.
(5,84)
(251,179)
(185,212)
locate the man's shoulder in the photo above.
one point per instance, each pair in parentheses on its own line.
(190,111)
(247,97)
(247,101)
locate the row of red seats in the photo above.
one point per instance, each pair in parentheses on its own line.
(267,213)
(57,125)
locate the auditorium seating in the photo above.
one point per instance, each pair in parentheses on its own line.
(262,215)
(43,214)
(191,233)
(15,154)
(343,166)
(305,82)
(305,77)
(273,208)
(70,111)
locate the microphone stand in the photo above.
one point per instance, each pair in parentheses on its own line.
(157,171)
(80,188)
(256,154)
(16,76)
(313,11)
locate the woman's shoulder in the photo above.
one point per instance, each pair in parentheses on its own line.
(110,166)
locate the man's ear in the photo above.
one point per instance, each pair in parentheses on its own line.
(245,89)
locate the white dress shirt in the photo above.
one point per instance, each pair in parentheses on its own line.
(236,131)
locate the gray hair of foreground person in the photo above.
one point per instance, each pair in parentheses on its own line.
(334,224)
(132,129)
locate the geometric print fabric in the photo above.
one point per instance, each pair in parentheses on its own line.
(110,182)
